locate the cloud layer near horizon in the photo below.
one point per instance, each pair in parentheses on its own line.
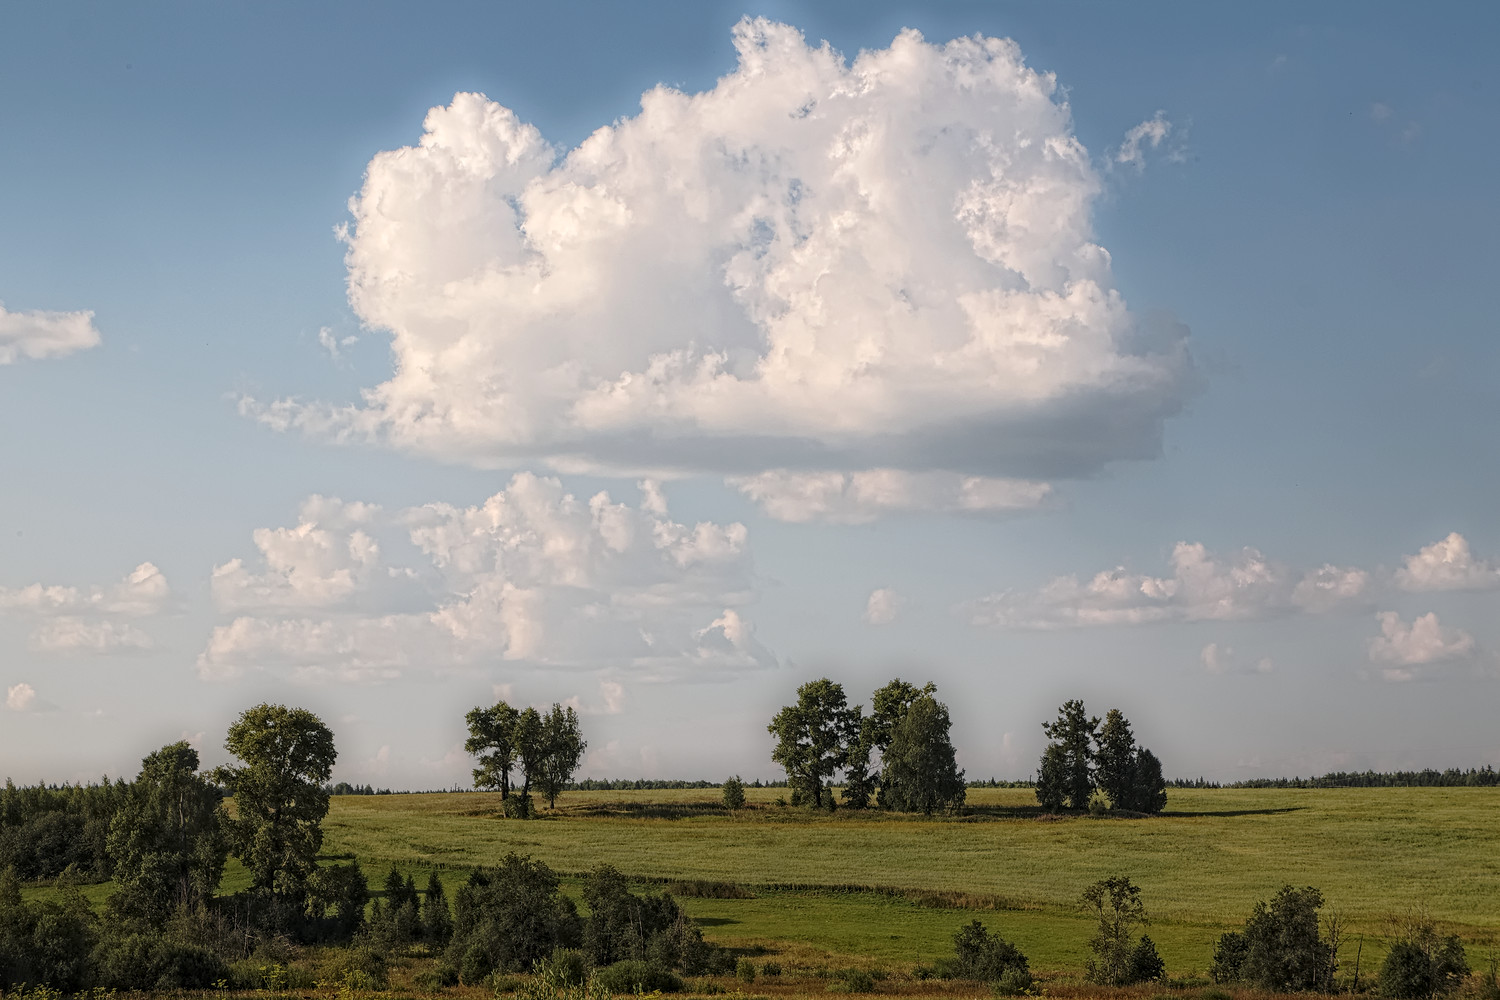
(817,266)
(534,577)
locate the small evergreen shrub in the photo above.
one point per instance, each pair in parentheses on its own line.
(632,976)
(734,793)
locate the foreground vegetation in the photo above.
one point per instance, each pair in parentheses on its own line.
(932,887)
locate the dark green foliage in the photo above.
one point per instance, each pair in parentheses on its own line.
(1421,964)
(1149,793)
(564,967)
(1228,965)
(734,793)
(744,970)
(1066,774)
(632,976)
(852,981)
(1013,982)
(921,768)
(396,920)
(859,780)
(980,955)
(813,737)
(1283,949)
(1116,902)
(166,843)
(622,925)
(492,739)
(770,969)
(337,895)
(287,755)
(155,961)
(45,831)
(507,917)
(437,921)
(46,942)
(1146,965)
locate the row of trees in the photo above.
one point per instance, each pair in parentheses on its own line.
(900,754)
(1082,758)
(545,748)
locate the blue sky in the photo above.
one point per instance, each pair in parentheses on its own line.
(833,336)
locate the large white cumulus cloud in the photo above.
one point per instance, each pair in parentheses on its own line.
(819,264)
(44,334)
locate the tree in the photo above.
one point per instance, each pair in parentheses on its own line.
(813,737)
(921,766)
(734,793)
(563,746)
(437,921)
(1422,964)
(167,843)
(509,916)
(1119,958)
(1284,950)
(1129,775)
(859,780)
(1115,760)
(531,752)
(287,755)
(980,955)
(492,739)
(1066,774)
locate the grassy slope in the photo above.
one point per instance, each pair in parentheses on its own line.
(1373,852)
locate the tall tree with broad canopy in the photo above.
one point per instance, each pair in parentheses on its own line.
(921,766)
(562,750)
(167,843)
(1066,774)
(492,739)
(814,736)
(287,756)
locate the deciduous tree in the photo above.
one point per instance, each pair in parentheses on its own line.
(813,737)
(286,756)
(921,767)
(492,739)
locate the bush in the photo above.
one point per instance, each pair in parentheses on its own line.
(361,962)
(980,955)
(770,969)
(440,975)
(633,976)
(1013,982)
(852,981)
(734,793)
(564,967)
(1284,950)
(1421,965)
(508,917)
(1145,965)
(1228,965)
(744,970)
(150,962)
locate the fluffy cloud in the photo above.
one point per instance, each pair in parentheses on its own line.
(144,591)
(859,497)
(534,576)
(883,606)
(1202,587)
(320,562)
(1447,565)
(78,635)
(41,334)
(1425,641)
(818,264)
(20,697)
(1218,659)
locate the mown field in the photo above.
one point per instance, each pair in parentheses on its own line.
(851,887)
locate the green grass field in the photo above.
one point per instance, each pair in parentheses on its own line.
(852,887)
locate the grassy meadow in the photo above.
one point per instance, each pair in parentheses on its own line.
(857,888)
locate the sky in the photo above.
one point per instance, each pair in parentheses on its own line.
(389,359)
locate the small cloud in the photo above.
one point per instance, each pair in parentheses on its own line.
(1150,133)
(1425,641)
(39,334)
(1380,112)
(20,697)
(1277,65)
(883,606)
(1447,564)
(1218,659)
(335,345)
